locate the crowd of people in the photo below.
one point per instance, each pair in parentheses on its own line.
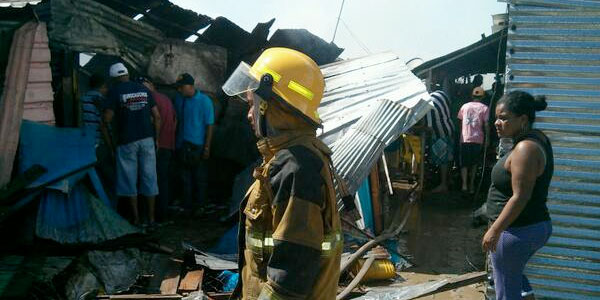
(141,134)
(290,211)
(463,146)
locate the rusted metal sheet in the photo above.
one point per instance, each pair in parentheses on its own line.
(13,96)
(553,49)
(39,97)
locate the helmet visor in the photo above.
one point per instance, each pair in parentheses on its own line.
(241,81)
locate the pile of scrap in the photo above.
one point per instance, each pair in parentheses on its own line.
(195,275)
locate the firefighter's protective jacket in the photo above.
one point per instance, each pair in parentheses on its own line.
(291,242)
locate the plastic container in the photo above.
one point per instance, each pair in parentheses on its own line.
(381,269)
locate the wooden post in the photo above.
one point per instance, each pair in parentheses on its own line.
(423,136)
(375,200)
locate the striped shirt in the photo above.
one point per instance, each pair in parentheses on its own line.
(439,117)
(90,112)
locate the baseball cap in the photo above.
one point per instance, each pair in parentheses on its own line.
(117,70)
(184,79)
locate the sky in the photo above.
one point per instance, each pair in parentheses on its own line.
(411,28)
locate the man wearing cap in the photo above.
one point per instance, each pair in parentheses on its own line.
(134,110)
(195,115)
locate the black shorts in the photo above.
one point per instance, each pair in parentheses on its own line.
(470,154)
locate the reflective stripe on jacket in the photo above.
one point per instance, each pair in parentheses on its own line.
(292,240)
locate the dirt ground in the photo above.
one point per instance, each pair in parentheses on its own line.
(442,243)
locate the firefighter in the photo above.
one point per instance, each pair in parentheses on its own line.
(290,235)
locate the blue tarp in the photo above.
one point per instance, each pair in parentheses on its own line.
(59,150)
(364,197)
(78,217)
(228,243)
(68,212)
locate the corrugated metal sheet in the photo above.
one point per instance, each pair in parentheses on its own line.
(88,26)
(368,103)
(554,50)
(352,88)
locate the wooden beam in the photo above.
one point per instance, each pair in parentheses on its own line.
(376,200)
(13,96)
(457,282)
(191,281)
(140,297)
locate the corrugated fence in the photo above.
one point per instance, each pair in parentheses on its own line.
(553,49)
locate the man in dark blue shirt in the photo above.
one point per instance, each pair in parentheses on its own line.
(137,123)
(195,114)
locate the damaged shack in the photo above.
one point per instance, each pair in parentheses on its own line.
(68,240)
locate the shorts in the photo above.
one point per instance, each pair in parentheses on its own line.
(137,160)
(470,154)
(442,151)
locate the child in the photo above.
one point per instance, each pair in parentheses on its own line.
(473,118)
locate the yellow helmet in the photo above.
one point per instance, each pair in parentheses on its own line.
(297,79)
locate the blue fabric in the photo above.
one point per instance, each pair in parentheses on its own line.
(137,160)
(515,246)
(364,197)
(78,217)
(71,149)
(97,184)
(228,243)
(193,115)
(132,104)
(229,279)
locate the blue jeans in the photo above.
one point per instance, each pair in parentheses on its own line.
(515,247)
(163,170)
(137,160)
(195,182)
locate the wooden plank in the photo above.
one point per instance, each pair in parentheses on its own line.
(140,297)
(459,281)
(170,281)
(11,101)
(376,199)
(191,281)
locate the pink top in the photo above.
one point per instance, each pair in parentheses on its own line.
(166,138)
(473,116)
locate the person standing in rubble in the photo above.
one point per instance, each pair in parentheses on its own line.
(441,149)
(91,105)
(290,233)
(166,146)
(137,128)
(474,137)
(196,117)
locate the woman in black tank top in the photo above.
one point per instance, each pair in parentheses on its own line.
(516,201)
